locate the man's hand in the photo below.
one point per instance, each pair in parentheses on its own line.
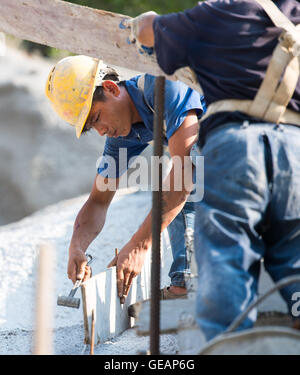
(129,264)
(77,266)
(141,31)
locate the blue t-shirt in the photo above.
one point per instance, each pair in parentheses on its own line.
(228,44)
(179,99)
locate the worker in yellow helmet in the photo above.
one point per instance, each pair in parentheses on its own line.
(87,94)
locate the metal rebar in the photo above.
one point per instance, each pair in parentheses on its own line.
(156,216)
(92,333)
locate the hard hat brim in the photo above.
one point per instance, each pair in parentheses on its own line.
(88,105)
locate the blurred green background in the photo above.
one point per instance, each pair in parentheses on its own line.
(128,7)
(134,7)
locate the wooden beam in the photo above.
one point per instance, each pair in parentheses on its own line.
(80,30)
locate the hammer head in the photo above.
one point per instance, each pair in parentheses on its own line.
(68,301)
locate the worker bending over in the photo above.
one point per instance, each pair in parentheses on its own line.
(87,94)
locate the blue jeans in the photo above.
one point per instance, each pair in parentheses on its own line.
(176,230)
(250,210)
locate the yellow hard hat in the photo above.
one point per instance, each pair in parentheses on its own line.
(70,87)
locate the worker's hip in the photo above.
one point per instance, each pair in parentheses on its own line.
(242,161)
(255,127)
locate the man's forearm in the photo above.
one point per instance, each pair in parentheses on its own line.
(88,224)
(173,202)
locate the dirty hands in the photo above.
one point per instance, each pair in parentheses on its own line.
(129,264)
(77,266)
(141,32)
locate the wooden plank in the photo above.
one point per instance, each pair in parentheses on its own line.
(100,293)
(171,311)
(80,30)
(43,335)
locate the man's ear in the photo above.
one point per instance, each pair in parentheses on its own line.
(112,87)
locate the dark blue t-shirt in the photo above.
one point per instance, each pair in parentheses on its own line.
(228,44)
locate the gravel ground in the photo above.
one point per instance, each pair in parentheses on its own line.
(70,340)
(19,253)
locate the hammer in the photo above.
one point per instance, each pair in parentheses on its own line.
(70,301)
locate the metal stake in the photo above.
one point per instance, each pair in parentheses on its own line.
(156,216)
(92,333)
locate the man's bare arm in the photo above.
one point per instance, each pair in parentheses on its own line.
(131,257)
(88,224)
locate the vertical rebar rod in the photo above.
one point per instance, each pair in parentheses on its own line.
(92,333)
(156,215)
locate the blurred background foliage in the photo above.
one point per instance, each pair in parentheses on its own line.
(128,7)
(134,7)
